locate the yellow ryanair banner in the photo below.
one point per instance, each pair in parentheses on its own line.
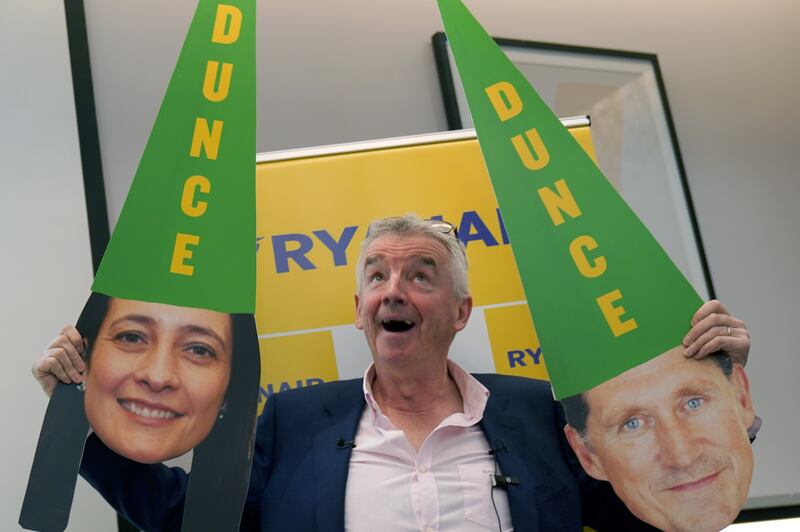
(313,208)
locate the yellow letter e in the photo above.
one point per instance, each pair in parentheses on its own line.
(612,313)
(181,253)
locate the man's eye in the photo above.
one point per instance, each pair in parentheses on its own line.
(420,277)
(632,424)
(694,403)
(376,277)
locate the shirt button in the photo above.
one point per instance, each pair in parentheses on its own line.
(422,469)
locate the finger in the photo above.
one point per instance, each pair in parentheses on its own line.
(717,331)
(66,345)
(75,357)
(74,337)
(65,362)
(708,308)
(49,365)
(731,345)
(715,337)
(710,322)
(704,338)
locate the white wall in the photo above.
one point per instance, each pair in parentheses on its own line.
(46,265)
(359,69)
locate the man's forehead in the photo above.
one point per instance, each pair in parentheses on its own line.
(378,258)
(409,247)
(650,384)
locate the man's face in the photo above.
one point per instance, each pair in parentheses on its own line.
(671,437)
(406,305)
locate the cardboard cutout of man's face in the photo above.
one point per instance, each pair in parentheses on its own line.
(157,377)
(671,437)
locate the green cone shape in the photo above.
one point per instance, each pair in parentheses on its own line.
(186,235)
(603,294)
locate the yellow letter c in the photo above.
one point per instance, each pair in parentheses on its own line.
(578,249)
(189,205)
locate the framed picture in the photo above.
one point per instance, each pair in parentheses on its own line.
(632,130)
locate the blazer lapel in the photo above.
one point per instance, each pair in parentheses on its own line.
(332,455)
(506,436)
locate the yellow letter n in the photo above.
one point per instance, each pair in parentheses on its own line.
(206,139)
(555,203)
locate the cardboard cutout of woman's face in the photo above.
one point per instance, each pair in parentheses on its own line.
(157,377)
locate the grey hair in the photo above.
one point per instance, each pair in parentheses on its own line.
(410,225)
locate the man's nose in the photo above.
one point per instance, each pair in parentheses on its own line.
(157,369)
(394,290)
(677,445)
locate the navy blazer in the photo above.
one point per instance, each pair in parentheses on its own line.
(300,466)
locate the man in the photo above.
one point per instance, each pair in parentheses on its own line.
(671,435)
(416,445)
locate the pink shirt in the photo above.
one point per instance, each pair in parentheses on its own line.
(444,486)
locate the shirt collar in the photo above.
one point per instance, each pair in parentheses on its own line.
(473,394)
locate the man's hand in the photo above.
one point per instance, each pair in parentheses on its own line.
(714,329)
(61,360)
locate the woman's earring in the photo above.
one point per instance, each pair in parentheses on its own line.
(222,410)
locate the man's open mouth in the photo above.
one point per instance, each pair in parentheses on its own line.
(397,325)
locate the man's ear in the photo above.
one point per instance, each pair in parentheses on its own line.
(586,457)
(464,310)
(359,325)
(741,386)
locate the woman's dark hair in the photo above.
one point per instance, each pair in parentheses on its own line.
(90,320)
(221,463)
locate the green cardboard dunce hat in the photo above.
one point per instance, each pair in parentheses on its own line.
(602,292)
(669,433)
(186,232)
(173,360)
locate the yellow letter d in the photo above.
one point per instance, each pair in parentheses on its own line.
(505,100)
(227,24)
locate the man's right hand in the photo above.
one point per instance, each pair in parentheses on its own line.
(714,329)
(61,361)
